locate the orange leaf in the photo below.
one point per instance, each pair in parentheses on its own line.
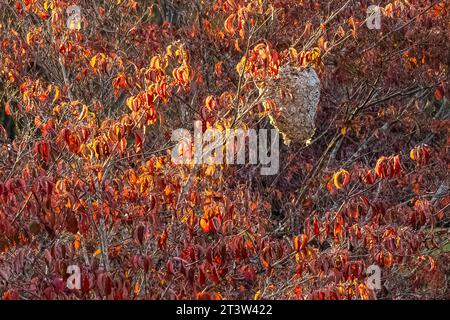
(7,109)
(330,186)
(300,242)
(380,167)
(265,263)
(77,243)
(389,10)
(229,24)
(136,288)
(352,23)
(204,224)
(210,103)
(123,145)
(218,68)
(296,241)
(43,97)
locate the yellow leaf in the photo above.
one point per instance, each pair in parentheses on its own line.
(56,94)
(412,154)
(210,170)
(84,113)
(130,103)
(241,65)
(169,51)
(293,53)
(155,63)
(93,61)
(29,35)
(257,295)
(343,175)
(97,252)
(95,148)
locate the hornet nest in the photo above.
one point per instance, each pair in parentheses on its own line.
(293,98)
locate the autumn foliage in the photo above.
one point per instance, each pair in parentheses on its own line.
(86,176)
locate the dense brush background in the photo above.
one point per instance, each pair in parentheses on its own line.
(86,177)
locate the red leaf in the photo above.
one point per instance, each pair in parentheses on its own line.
(137,141)
(438,94)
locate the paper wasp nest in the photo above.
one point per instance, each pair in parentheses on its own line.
(296,94)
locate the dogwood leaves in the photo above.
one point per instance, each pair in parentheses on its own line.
(339,180)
